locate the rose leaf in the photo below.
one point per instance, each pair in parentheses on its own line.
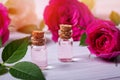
(15,50)
(82,40)
(0,42)
(115,17)
(26,71)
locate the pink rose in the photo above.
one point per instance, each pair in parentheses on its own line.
(103,39)
(4,22)
(69,12)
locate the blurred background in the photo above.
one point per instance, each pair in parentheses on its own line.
(101,8)
(29,13)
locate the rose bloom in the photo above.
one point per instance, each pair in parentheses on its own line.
(4,22)
(103,39)
(70,12)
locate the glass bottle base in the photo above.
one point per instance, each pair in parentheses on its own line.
(65,59)
(69,59)
(43,67)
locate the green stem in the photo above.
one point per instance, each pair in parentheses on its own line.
(8,66)
(3,64)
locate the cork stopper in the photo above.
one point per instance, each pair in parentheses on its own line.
(38,34)
(38,38)
(65,27)
(65,31)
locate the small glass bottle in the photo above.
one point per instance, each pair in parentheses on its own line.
(38,49)
(65,43)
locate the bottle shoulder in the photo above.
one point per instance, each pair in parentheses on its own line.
(65,41)
(38,47)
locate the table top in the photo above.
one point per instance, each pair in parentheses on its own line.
(87,68)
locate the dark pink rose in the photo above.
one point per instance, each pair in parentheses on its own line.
(4,22)
(70,12)
(103,39)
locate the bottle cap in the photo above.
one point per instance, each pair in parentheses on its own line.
(38,38)
(65,27)
(65,31)
(38,34)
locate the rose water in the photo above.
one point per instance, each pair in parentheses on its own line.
(39,51)
(65,43)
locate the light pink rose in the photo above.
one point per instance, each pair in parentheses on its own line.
(70,12)
(4,22)
(103,39)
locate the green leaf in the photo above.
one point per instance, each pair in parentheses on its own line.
(26,71)
(0,42)
(3,70)
(82,40)
(115,17)
(15,50)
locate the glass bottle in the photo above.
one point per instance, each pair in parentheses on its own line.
(65,43)
(38,49)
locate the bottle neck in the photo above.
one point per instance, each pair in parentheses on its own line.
(39,45)
(65,39)
(38,48)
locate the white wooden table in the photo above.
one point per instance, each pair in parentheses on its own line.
(85,69)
